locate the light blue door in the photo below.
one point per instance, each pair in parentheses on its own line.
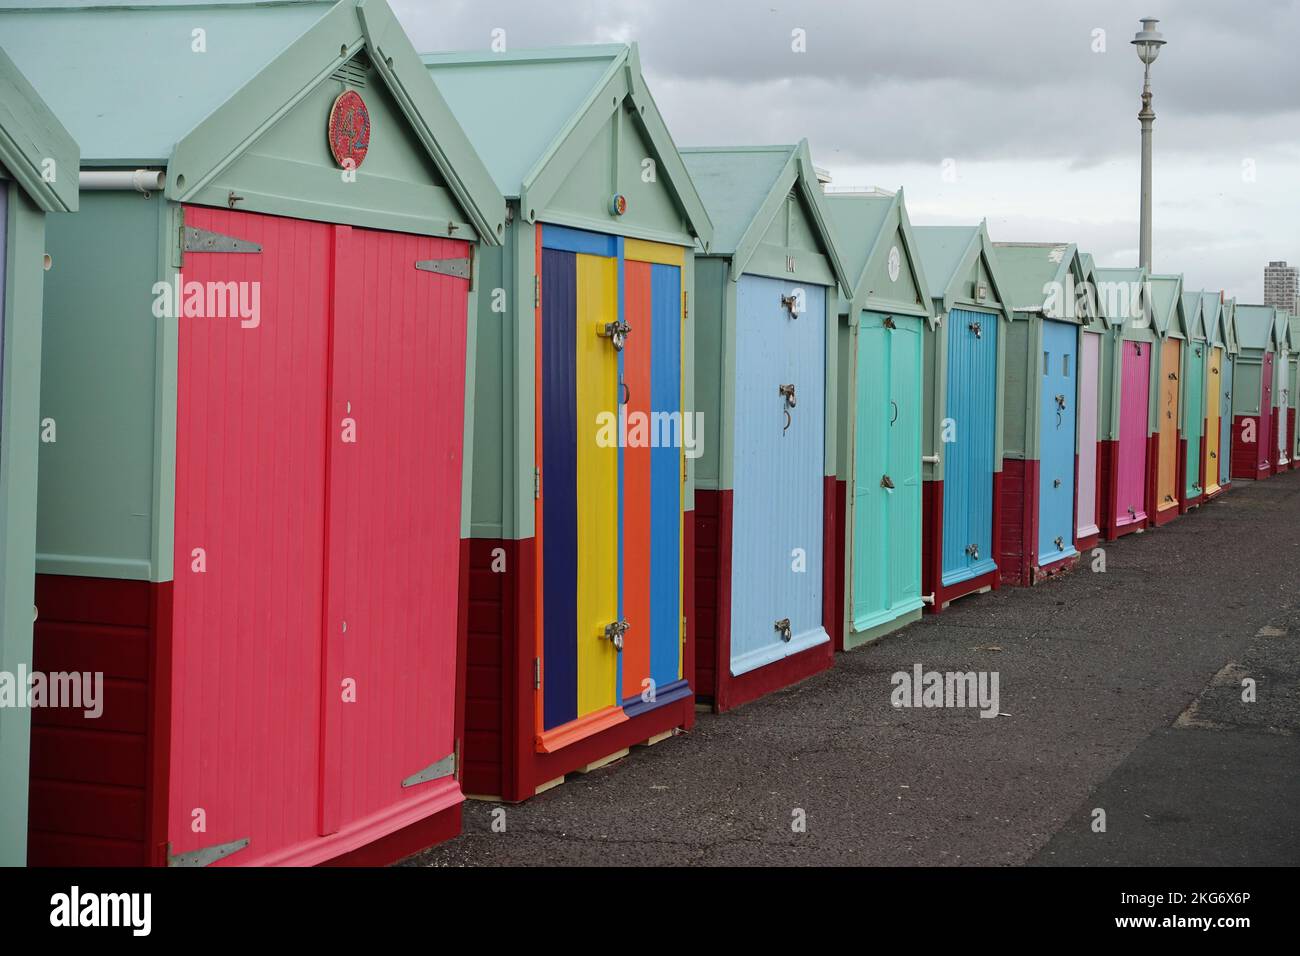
(1225,419)
(779,445)
(886,542)
(1060,390)
(969,445)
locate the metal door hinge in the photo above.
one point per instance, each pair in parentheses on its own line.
(446,767)
(686,306)
(456,268)
(537,673)
(537,482)
(205,240)
(783,628)
(206,856)
(537,292)
(614,633)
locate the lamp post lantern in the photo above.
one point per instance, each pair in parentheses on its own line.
(1148,42)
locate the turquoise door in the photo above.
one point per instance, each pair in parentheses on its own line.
(1193,416)
(886,545)
(780,448)
(1225,419)
(969,444)
(1056,441)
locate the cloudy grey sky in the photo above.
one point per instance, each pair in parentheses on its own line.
(1040,129)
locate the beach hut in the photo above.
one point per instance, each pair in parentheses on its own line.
(1227,389)
(1094,330)
(38,175)
(1217,392)
(1123,296)
(767,298)
(964,360)
(1192,430)
(882,399)
(1051,374)
(1282,390)
(1166,475)
(1252,391)
(580,597)
(1293,334)
(255,355)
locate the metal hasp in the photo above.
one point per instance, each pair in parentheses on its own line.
(973,550)
(977,329)
(457,268)
(783,628)
(445,767)
(617,333)
(1060,402)
(1056,482)
(204,240)
(1060,543)
(207,856)
(614,633)
(886,482)
(791,304)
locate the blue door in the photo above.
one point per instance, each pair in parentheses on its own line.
(1057,401)
(969,443)
(779,442)
(1225,419)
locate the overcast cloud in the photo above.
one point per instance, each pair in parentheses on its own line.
(1042,130)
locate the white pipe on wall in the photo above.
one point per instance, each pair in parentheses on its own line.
(140,180)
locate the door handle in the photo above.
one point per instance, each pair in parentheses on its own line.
(895,406)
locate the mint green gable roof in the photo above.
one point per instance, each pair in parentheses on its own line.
(30,135)
(1212,317)
(1230,325)
(1112,285)
(1281,322)
(1028,267)
(133,92)
(1193,319)
(863,224)
(947,255)
(529,111)
(1255,325)
(743,189)
(1167,305)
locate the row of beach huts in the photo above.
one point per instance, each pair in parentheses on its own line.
(407,428)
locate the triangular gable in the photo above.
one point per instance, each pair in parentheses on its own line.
(1088,267)
(1230,325)
(1281,325)
(747,225)
(1293,329)
(1167,305)
(1193,320)
(559,100)
(1212,317)
(960,257)
(869,228)
(1120,292)
(1255,327)
(350,27)
(1030,267)
(31,138)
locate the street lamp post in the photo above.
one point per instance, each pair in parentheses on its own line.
(1148,42)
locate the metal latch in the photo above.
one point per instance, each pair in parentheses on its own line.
(1214,454)
(1060,402)
(617,333)
(791,304)
(206,856)
(783,628)
(889,322)
(1131,512)
(973,550)
(1059,542)
(458,268)
(977,329)
(787,393)
(205,240)
(1138,349)
(1056,482)
(1173,376)
(886,481)
(614,634)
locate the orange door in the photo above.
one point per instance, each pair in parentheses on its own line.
(1170,371)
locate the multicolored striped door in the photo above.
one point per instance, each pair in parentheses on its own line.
(610,438)
(968,457)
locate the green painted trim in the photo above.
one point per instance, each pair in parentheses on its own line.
(171,218)
(350,26)
(830,446)
(726,425)
(622,82)
(20,411)
(471,371)
(770,261)
(29,136)
(521,452)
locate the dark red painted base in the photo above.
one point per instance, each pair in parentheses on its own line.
(501,758)
(1155,515)
(1246,458)
(725,691)
(1018,560)
(932,548)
